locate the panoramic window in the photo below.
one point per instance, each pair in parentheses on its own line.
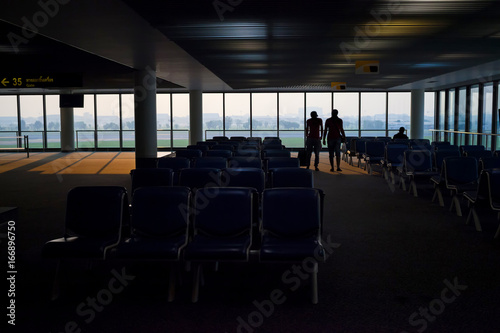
(180,119)
(291,119)
(31,107)
(213,107)
(347,104)
(373,110)
(264,114)
(237,114)
(53,118)
(399,112)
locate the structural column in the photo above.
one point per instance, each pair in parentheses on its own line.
(195,116)
(145,119)
(417,114)
(67,130)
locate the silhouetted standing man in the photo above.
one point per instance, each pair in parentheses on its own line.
(314,128)
(334,133)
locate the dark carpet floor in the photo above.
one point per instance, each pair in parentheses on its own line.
(397,264)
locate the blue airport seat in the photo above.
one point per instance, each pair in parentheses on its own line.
(210,162)
(151,177)
(374,154)
(159,228)
(292,235)
(222,228)
(200,177)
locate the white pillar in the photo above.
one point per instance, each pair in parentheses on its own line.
(417,114)
(145,118)
(67,130)
(195,116)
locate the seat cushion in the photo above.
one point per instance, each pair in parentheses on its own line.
(77,247)
(290,249)
(151,248)
(207,248)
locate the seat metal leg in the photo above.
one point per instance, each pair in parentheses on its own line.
(56,291)
(172,279)
(455,202)
(196,283)
(314,284)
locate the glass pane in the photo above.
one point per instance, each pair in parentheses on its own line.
(399,112)
(474,106)
(321,103)
(348,106)
(54,139)
(128,139)
(128,118)
(108,139)
(212,115)
(31,113)
(53,118)
(373,113)
(451,115)
(237,112)
(180,113)
(442,110)
(163,111)
(108,112)
(462,97)
(163,138)
(264,114)
(291,119)
(85,139)
(8,116)
(35,138)
(429,107)
(84,117)
(53,112)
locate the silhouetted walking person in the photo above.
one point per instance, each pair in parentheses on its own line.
(334,134)
(314,128)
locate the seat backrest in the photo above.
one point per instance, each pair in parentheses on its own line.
(466,148)
(223,211)
(174,163)
(494,187)
(394,153)
(219,153)
(245,162)
(189,153)
(96,211)
(291,177)
(440,155)
(375,148)
(151,177)
(489,163)
(275,146)
(160,211)
(477,154)
(211,162)
(448,147)
(291,212)
(436,144)
(460,170)
(244,177)
(223,146)
(275,153)
(247,151)
(199,177)
(417,160)
(282,162)
(360,146)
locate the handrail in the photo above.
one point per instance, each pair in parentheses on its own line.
(463,132)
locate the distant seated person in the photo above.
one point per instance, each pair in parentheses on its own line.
(400,135)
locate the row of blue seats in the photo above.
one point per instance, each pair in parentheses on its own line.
(476,180)
(195,178)
(179,163)
(261,153)
(377,153)
(223,220)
